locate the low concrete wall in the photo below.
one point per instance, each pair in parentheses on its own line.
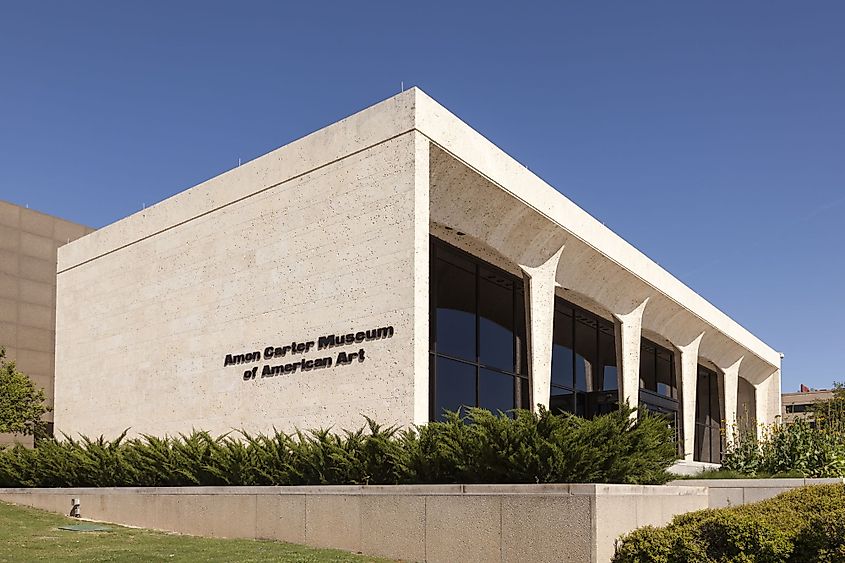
(733,492)
(561,523)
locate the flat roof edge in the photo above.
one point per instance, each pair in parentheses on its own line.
(460,140)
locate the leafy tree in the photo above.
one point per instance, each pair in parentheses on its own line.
(21,402)
(830,413)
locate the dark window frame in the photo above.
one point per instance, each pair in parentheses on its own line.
(522,385)
(654,401)
(586,403)
(713,428)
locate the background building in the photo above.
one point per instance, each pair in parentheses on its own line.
(28,244)
(799,405)
(393,264)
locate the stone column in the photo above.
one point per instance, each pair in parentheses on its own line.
(688,362)
(729,384)
(767,405)
(628,340)
(540,318)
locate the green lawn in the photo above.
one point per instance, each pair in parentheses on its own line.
(27,534)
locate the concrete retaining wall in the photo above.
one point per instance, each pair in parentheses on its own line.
(562,523)
(733,492)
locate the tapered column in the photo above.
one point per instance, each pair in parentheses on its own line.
(767,403)
(540,320)
(688,361)
(729,385)
(629,328)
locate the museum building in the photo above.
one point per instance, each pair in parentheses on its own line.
(395,264)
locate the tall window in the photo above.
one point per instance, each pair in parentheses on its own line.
(478,351)
(708,418)
(658,385)
(583,362)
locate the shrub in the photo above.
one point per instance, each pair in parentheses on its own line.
(801,526)
(795,448)
(480,447)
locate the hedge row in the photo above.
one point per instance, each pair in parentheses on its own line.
(806,525)
(480,447)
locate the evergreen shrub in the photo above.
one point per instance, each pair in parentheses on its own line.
(800,526)
(478,447)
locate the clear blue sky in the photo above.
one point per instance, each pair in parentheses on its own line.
(711,135)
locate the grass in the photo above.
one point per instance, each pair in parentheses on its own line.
(27,534)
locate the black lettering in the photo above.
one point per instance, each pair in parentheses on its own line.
(268,353)
(321,363)
(237,359)
(361,355)
(359,337)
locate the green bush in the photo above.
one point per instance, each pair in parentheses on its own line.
(480,447)
(801,526)
(796,448)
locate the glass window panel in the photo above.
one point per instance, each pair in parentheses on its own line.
(495,390)
(562,373)
(702,398)
(495,323)
(715,446)
(455,386)
(648,379)
(455,301)
(708,441)
(607,352)
(581,405)
(562,400)
(586,352)
(665,383)
(520,322)
(706,446)
(601,402)
(715,400)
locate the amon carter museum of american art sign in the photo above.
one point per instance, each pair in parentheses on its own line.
(343,358)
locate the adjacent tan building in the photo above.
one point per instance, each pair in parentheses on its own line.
(799,405)
(28,244)
(394,264)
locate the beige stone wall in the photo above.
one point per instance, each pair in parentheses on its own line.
(734,492)
(436,523)
(329,234)
(143,328)
(28,244)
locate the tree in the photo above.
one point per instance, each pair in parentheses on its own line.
(830,413)
(22,404)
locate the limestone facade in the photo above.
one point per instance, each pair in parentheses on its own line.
(329,237)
